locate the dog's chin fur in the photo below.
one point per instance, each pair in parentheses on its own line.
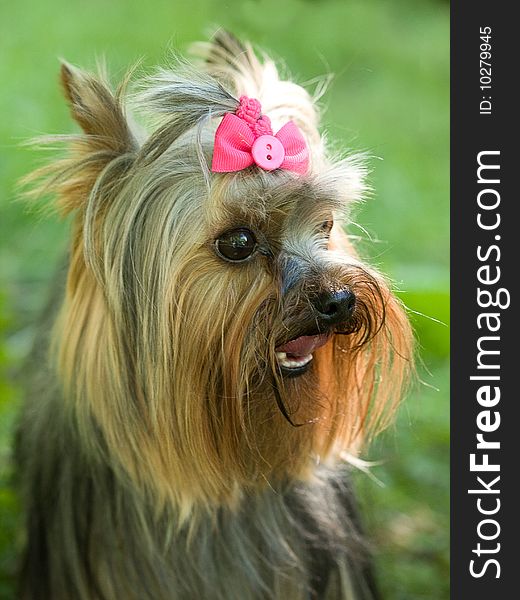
(167,456)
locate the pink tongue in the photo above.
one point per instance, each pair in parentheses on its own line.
(304,345)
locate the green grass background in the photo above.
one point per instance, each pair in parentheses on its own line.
(389,97)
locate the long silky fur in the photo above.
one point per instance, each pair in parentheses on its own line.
(156,461)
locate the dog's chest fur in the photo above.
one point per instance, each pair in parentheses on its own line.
(92,539)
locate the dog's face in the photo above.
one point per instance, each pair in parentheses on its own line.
(310,292)
(276,280)
(218,328)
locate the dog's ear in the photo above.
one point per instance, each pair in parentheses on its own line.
(106,140)
(98,111)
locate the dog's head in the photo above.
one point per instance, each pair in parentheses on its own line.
(219,329)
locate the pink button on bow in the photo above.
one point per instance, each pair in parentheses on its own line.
(245,138)
(268,152)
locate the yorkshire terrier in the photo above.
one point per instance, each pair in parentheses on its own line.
(219,353)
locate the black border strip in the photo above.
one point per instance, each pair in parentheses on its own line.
(473,132)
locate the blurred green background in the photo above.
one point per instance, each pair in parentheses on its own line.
(390,97)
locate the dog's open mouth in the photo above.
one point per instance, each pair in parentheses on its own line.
(294,356)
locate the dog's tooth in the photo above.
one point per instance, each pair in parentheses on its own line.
(292,363)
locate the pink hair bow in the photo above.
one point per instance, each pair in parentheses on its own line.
(246,138)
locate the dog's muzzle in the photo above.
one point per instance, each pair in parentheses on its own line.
(330,309)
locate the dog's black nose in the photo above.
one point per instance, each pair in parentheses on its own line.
(334,306)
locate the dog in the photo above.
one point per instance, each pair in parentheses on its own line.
(218,348)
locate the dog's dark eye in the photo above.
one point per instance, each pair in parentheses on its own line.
(326,226)
(236,245)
